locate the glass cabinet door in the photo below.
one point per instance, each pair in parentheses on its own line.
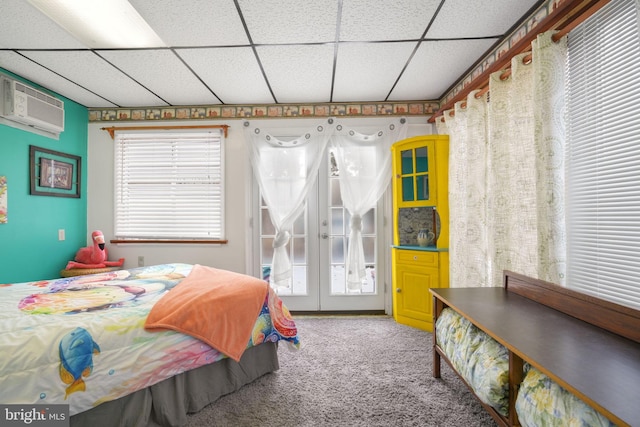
(414,174)
(407,176)
(422,173)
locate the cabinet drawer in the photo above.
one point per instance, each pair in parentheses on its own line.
(421,258)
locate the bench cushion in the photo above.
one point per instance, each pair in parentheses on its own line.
(542,402)
(478,358)
(484,365)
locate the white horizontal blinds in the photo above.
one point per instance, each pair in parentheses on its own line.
(603,155)
(169,185)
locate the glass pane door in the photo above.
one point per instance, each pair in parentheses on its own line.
(318,250)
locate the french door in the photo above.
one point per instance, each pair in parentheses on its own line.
(318,250)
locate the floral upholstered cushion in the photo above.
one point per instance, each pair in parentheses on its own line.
(484,365)
(478,358)
(542,402)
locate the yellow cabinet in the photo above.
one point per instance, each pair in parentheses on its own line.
(420,204)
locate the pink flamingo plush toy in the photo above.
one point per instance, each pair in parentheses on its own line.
(94,256)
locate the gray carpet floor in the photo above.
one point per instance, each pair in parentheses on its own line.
(351,371)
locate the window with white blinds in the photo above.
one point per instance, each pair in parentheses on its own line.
(169,185)
(603,155)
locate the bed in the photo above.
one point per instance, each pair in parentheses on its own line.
(143,346)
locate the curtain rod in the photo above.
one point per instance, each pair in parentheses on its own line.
(112,129)
(527,59)
(565,18)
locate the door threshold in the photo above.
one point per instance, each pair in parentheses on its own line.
(340,313)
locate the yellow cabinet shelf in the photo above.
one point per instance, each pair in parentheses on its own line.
(420,202)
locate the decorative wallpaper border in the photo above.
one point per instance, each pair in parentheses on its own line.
(527,26)
(264,111)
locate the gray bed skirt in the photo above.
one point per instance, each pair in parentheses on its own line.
(168,402)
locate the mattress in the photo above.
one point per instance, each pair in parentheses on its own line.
(81,340)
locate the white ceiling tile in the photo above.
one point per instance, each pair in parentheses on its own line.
(29,70)
(90,71)
(290,21)
(433,70)
(176,84)
(295,41)
(480,18)
(194,22)
(22,26)
(232,74)
(298,73)
(367,71)
(385,19)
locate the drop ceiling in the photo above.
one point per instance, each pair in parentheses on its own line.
(265,52)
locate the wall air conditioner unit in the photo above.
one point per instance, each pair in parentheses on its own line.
(26,105)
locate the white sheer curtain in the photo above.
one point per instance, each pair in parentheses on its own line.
(521,209)
(364,165)
(285,171)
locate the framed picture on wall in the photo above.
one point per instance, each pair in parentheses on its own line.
(53,173)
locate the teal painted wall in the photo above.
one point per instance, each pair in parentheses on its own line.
(29,245)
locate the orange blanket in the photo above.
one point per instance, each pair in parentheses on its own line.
(218,307)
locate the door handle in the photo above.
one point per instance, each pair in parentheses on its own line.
(324,235)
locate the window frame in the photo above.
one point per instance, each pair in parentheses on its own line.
(174,131)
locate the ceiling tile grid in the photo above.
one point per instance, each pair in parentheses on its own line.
(36,73)
(431,65)
(233,74)
(235,52)
(290,21)
(480,19)
(194,23)
(300,73)
(175,83)
(364,20)
(368,71)
(88,70)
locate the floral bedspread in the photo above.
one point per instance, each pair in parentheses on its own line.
(81,340)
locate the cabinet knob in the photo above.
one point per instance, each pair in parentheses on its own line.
(415,257)
(398,290)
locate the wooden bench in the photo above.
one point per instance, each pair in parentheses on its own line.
(589,346)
